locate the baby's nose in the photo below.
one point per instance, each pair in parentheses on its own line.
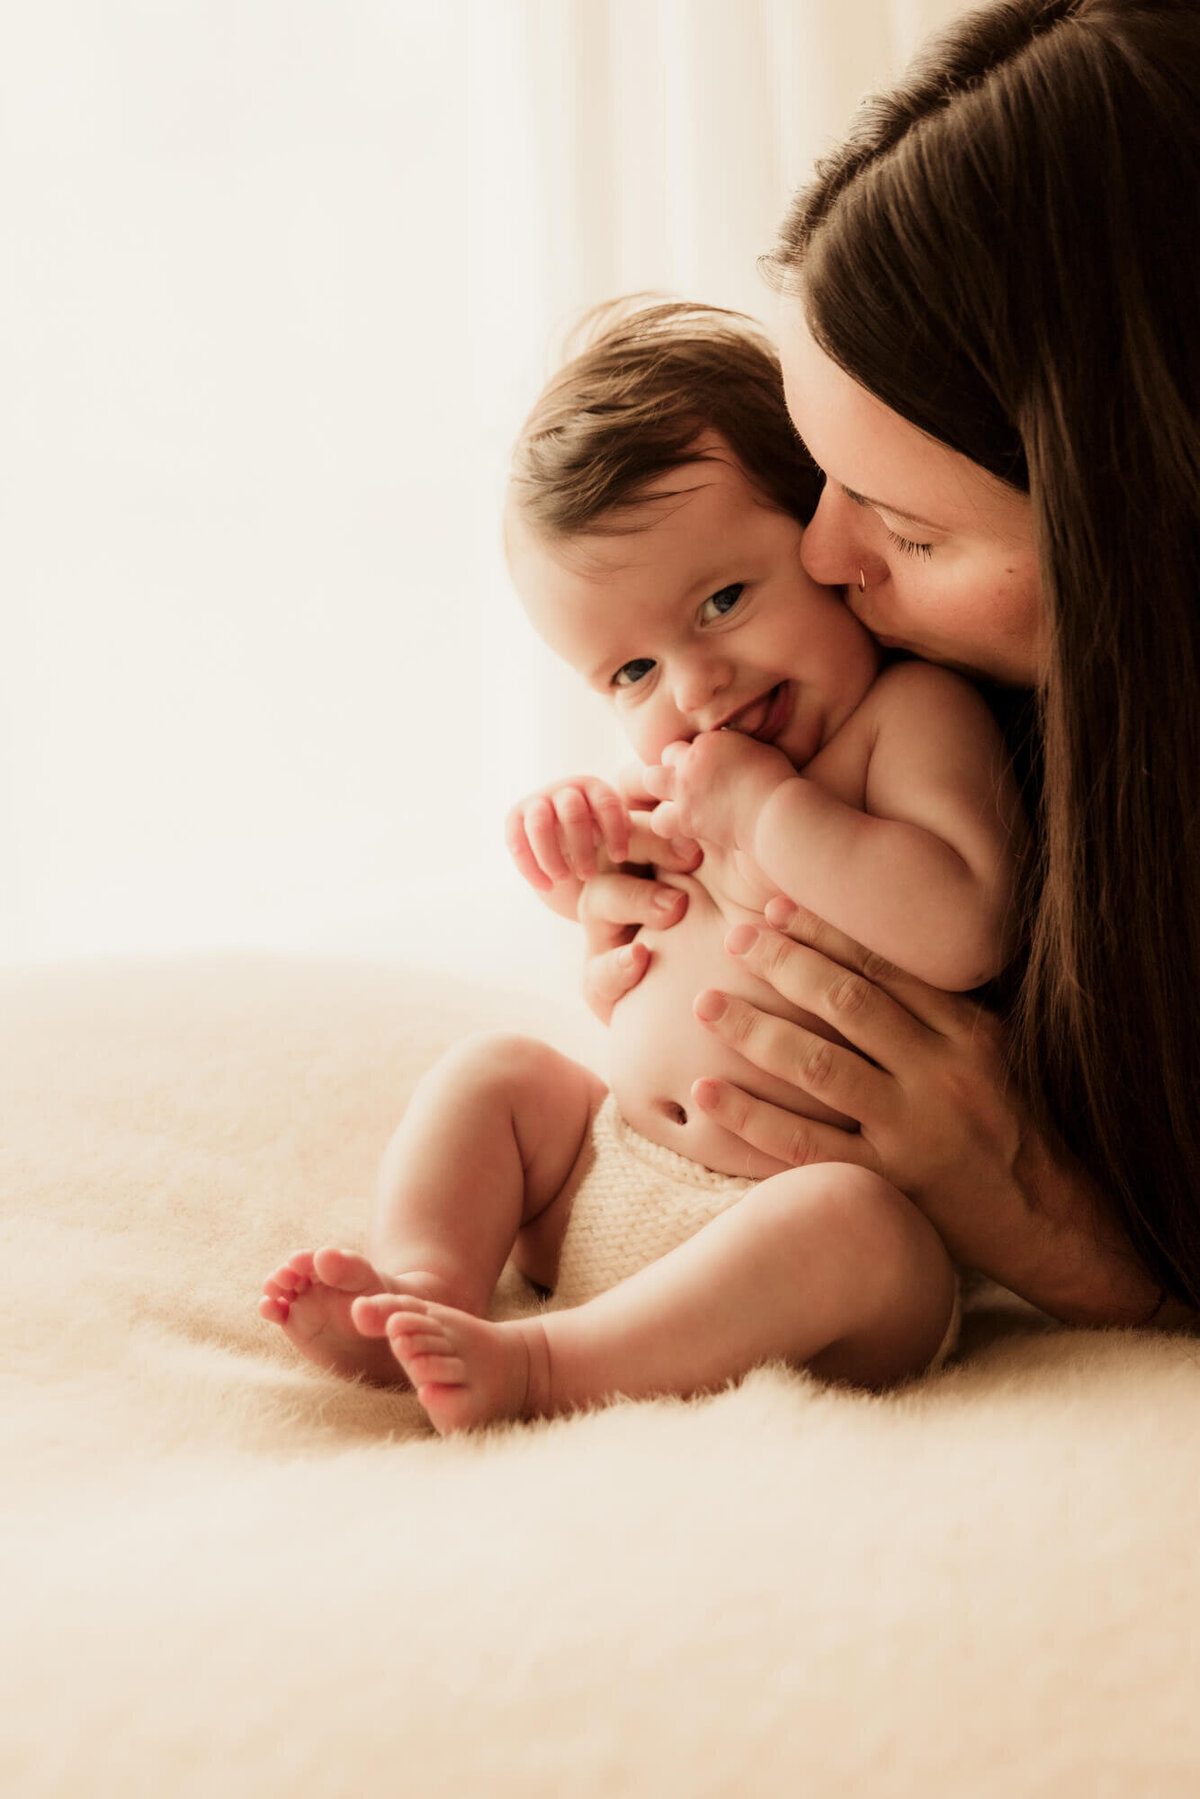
(698,683)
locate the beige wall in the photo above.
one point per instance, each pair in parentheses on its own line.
(283,276)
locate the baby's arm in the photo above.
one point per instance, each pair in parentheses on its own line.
(903,832)
(925,873)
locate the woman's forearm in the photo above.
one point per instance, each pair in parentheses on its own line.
(1069,1256)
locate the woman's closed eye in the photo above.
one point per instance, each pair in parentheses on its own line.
(630,673)
(908,546)
(718,604)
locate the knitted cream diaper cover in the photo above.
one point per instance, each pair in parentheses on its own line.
(633,1201)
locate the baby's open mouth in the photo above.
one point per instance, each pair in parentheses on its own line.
(762,718)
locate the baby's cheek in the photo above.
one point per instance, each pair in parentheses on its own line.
(648,727)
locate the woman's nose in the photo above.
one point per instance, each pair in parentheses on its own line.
(830,548)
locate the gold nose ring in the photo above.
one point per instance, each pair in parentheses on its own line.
(862,582)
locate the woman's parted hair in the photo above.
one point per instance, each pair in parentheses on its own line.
(1006,250)
(643,380)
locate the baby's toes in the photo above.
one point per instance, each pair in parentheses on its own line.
(273,1306)
(418,1336)
(370,1312)
(344,1269)
(419,1333)
(432,1370)
(283,1285)
(425,1350)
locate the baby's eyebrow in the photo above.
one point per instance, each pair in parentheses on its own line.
(912,518)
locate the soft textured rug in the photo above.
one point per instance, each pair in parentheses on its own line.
(227,1573)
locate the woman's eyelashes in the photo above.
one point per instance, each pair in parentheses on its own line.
(904,544)
(907,545)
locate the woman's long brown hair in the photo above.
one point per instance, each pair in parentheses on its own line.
(1006,250)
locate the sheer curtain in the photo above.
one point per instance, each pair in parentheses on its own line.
(284,276)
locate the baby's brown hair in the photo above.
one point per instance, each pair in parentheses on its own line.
(644,379)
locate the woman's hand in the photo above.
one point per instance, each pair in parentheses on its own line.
(937,1113)
(614,906)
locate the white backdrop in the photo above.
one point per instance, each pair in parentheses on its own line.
(282,277)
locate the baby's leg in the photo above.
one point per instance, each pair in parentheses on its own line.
(828,1267)
(485,1146)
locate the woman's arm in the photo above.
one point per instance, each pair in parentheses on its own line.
(937,1116)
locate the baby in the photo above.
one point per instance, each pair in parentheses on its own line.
(653,527)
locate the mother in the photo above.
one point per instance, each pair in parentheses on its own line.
(991,342)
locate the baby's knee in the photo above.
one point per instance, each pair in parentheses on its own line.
(869,1232)
(493,1063)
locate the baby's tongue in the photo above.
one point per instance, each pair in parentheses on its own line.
(754,717)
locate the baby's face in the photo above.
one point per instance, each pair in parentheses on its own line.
(705,617)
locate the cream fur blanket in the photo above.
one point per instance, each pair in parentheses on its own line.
(226,1573)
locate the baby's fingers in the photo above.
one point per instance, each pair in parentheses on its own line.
(577,831)
(611,817)
(665,822)
(520,850)
(542,830)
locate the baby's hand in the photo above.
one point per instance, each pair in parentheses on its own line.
(556,834)
(715,787)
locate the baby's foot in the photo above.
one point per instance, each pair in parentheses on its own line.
(466,1371)
(311,1297)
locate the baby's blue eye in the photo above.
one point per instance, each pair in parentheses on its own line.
(630,673)
(723,601)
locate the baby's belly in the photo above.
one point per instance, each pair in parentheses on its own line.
(657,1046)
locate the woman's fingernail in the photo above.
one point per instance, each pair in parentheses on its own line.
(710,1005)
(685,847)
(666,899)
(626,958)
(743,937)
(780,912)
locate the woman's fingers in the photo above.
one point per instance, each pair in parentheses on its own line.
(608,977)
(679,855)
(838,1077)
(613,906)
(939,1010)
(877,1011)
(779,1133)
